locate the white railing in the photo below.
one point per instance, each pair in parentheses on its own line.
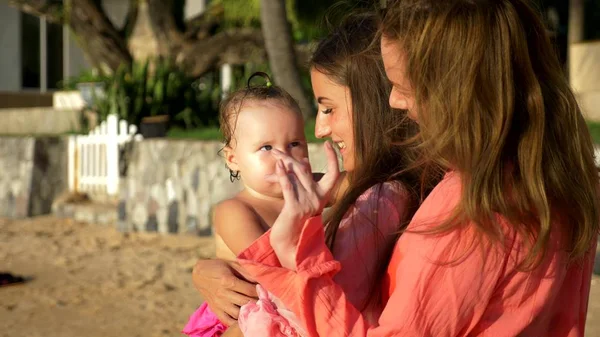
(94,158)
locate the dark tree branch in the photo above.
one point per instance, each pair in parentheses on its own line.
(232,46)
(51,9)
(97,35)
(204,24)
(130,19)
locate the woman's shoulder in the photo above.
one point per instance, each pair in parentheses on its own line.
(387,203)
(394,191)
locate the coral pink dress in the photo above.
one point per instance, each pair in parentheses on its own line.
(437,285)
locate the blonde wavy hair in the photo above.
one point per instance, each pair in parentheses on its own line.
(497,108)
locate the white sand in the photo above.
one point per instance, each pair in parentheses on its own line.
(94,281)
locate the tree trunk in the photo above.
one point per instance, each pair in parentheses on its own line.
(281,53)
(168,36)
(101,41)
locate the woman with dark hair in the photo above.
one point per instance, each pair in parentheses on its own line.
(372,202)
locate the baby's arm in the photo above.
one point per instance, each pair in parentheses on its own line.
(233,331)
(237,224)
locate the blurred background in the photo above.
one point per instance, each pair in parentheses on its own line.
(109,144)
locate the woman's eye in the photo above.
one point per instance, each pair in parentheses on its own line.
(266,148)
(294,144)
(326,111)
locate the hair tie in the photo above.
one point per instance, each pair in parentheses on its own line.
(268,82)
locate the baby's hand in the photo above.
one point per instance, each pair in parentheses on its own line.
(304,198)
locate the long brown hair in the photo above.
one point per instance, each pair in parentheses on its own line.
(349,57)
(494,105)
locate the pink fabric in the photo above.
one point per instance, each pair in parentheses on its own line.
(204,323)
(364,240)
(476,292)
(365,235)
(268,318)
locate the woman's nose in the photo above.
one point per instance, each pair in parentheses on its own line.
(322,129)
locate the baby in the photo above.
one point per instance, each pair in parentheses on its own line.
(254,121)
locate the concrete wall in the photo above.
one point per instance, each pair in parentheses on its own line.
(38,121)
(10,46)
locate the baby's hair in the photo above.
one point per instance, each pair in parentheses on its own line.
(230,107)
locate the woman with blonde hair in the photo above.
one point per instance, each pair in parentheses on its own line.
(504,244)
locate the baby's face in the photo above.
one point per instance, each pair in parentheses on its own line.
(260,128)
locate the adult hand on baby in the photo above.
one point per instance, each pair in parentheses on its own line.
(224,286)
(304,198)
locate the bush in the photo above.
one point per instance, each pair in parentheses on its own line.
(159,87)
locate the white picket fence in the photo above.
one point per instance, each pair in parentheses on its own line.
(94,158)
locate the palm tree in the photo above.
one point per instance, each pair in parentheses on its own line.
(279,44)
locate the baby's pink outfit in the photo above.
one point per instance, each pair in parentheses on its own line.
(268,317)
(366,233)
(204,323)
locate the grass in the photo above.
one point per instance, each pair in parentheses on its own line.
(594,128)
(213,133)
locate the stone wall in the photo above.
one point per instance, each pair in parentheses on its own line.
(50,173)
(33,173)
(172,185)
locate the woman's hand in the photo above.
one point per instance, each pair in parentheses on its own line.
(224,286)
(304,198)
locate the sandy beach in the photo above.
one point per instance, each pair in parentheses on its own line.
(90,280)
(93,281)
